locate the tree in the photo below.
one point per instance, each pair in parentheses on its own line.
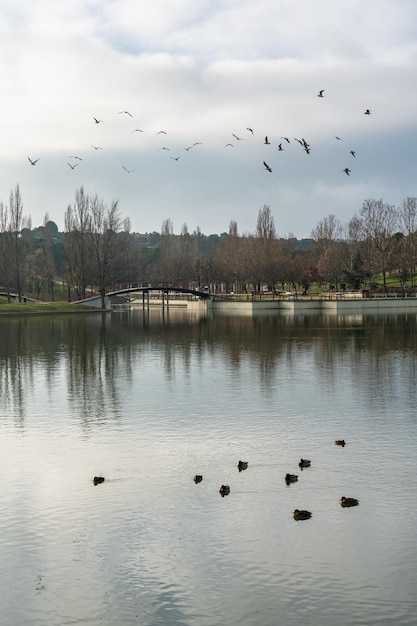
(327,249)
(17,247)
(377,224)
(77,252)
(107,257)
(407,258)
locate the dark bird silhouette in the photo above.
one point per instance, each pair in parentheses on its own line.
(72,156)
(267,166)
(353,153)
(250,130)
(187,149)
(320,93)
(238,138)
(229,144)
(137,130)
(33,162)
(291,478)
(197,143)
(197,478)
(224,490)
(367,112)
(242,465)
(127,113)
(161,132)
(286,139)
(301,515)
(164,148)
(347,171)
(340,442)
(97,480)
(280,147)
(97,147)
(338,138)
(304,463)
(348,501)
(73,166)
(97,121)
(266,140)
(126,170)
(175,158)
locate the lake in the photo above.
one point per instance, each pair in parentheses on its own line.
(149,400)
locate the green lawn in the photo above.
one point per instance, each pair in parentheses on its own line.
(41,308)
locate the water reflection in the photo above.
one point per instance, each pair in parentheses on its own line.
(72,352)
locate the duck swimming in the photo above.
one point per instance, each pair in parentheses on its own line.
(224,490)
(242,465)
(340,442)
(97,480)
(300,515)
(304,463)
(197,478)
(291,478)
(348,501)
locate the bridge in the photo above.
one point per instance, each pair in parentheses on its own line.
(146,287)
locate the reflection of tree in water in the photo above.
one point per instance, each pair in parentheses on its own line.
(25,343)
(103,355)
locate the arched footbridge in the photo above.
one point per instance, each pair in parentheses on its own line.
(146,287)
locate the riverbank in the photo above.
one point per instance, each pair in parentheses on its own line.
(314,306)
(43,308)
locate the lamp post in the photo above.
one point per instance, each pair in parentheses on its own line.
(208,277)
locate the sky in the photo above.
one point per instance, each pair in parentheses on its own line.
(205,72)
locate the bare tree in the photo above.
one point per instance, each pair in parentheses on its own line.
(377,224)
(407,216)
(17,247)
(77,250)
(327,249)
(106,255)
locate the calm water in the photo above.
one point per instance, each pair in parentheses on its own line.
(148,402)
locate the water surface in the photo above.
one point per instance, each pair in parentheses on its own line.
(148,401)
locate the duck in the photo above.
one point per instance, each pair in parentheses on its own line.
(291,478)
(224,490)
(242,465)
(304,463)
(300,515)
(97,480)
(340,442)
(348,501)
(197,478)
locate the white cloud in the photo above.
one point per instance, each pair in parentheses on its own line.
(203,71)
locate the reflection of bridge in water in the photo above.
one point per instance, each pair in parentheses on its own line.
(164,288)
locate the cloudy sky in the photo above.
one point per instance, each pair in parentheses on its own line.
(204,72)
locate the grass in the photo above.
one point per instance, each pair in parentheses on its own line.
(41,308)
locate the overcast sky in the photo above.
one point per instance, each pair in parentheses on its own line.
(203,71)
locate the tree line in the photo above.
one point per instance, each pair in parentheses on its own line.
(98,250)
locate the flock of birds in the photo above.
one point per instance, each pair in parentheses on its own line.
(303,143)
(76,160)
(298,514)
